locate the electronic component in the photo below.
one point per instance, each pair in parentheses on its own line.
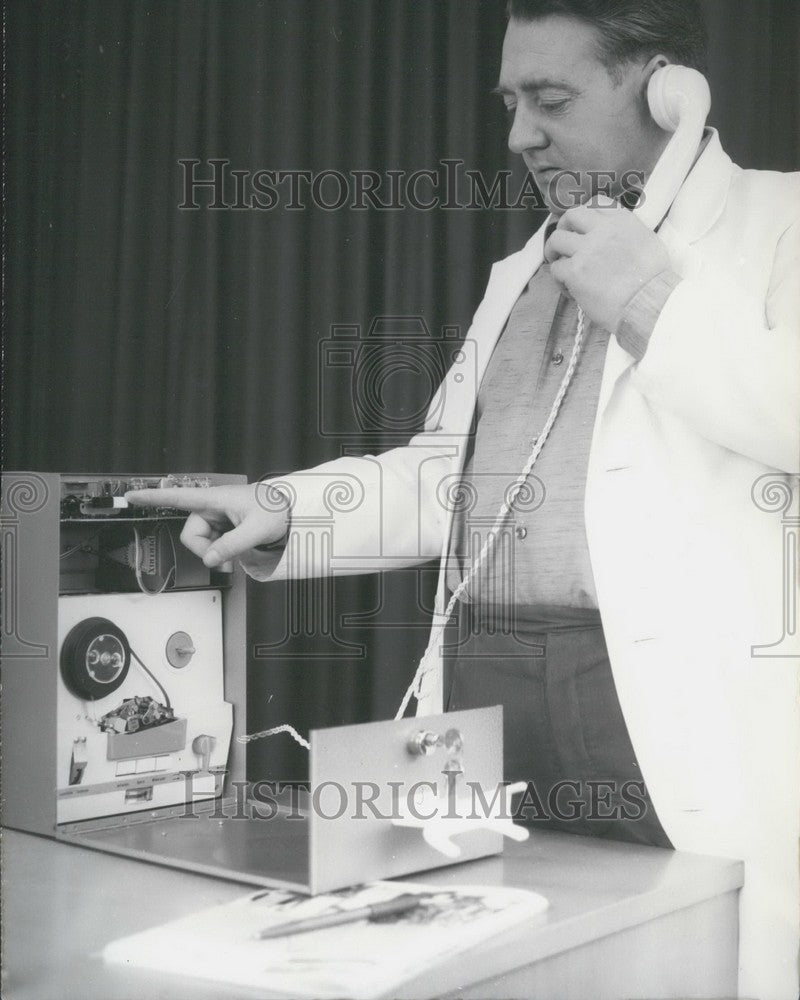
(134,714)
(102,506)
(98,497)
(111,546)
(143,557)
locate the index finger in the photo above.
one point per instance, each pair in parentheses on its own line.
(182,497)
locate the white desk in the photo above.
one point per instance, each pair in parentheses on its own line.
(624,921)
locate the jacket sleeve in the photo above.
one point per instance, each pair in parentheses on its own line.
(728,362)
(377,512)
(359,515)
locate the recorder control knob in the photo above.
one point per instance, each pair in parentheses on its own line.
(180,649)
(423,743)
(202,746)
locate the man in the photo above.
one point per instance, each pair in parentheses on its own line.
(641,584)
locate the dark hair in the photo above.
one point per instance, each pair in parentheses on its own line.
(631,28)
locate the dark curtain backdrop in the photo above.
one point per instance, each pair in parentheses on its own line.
(148,338)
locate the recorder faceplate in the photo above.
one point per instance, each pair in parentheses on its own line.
(132,748)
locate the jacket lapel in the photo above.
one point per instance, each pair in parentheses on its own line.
(701,200)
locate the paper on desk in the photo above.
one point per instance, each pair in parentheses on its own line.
(360,960)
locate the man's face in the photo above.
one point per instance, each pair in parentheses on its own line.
(569,114)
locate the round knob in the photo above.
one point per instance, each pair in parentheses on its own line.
(423,743)
(202,745)
(454,741)
(180,649)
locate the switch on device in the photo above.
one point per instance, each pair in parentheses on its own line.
(202,746)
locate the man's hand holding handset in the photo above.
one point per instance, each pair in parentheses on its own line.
(603,257)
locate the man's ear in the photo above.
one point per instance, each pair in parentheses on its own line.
(656,62)
(645,73)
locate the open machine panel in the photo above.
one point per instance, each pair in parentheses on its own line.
(123,655)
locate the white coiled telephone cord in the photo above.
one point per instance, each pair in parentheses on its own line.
(425,665)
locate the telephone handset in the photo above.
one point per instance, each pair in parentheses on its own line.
(679,100)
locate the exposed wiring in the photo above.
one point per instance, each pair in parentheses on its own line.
(138,564)
(285,728)
(152,677)
(85,545)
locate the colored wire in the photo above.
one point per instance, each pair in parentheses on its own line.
(76,548)
(153,678)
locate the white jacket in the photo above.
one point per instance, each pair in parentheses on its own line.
(691,490)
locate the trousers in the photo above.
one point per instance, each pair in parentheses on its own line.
(563,729)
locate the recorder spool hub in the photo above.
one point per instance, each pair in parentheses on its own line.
(95,658)
(180,649)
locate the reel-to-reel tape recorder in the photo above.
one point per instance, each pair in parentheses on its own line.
(123,656)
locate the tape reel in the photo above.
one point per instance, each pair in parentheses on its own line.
(95,658)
